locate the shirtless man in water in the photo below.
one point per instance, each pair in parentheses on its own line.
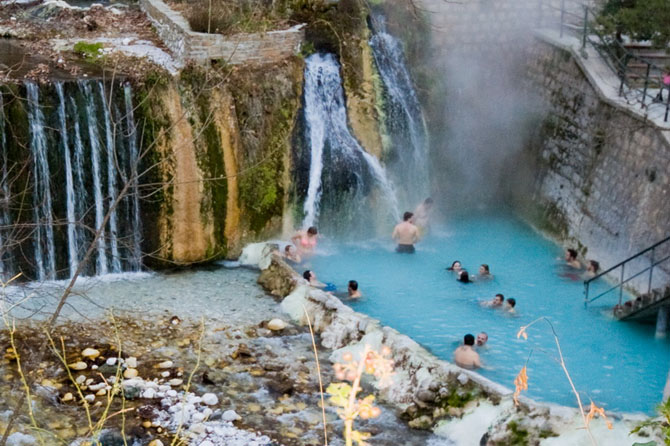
(405,234)
(465,356)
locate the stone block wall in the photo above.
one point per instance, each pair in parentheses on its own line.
(187,45)
(603,180)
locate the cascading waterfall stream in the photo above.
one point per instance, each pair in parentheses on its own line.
(94,138)
(111,180)
(44,234)
(134,159)
(404,117)
(82,149)
(327,129)
(73,250)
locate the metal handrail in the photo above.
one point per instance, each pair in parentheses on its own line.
(612,51)
(622,265)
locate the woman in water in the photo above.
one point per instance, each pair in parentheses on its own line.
(463,276)
(305,240)
(484,272)
(455,267)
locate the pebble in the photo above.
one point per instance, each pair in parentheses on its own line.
(146,424)
(149,393)
(176,382)
(276,324)
(131,362)
(165,365)
(90,353)
(110,361)
(47,383)
(101,392)
(155,443)
(97,387)
(90,397)
(79,365)
(80,379)
(210,399)
(67,397)
(230,415)
(130,373)
(165,374)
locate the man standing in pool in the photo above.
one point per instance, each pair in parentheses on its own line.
(465,356)
(405,234)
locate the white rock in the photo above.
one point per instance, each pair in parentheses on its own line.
(171,393)
(197,428)
(79,365)
(90,353)
(165,365)
(165,374)
(110,361)
(176,382)
(230,415)
(90,398)
(210,399)
(19,439)
(94,367)
(131,362)
(463,378)
(130,373)
(149,393)
(276,324)
(97,387)
(80,379)
(89,381)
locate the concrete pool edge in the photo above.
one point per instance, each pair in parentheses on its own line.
(424,382)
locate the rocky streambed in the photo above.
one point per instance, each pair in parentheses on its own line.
(191,355)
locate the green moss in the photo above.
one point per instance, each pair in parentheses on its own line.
(518,435)
(89,51)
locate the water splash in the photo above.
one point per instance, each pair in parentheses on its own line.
(44,235)
(404,118)
(331,142)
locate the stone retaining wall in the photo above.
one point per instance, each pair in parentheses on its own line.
(603,178)
(188,45)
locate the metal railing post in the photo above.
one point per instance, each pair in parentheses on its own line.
(562,15)
(651,269)
(586,26)
(621,284)
(646,84)
(623,74)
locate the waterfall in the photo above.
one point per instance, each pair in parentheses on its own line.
(81,149)
(111,180)
(94,139)
(332,144)
(5,265)
(134,160)
(73,250)
(404,118)
(44,235)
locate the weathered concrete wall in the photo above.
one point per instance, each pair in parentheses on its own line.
(186,44)
(603,179)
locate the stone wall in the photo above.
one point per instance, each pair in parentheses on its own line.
(186,44)
(603,181)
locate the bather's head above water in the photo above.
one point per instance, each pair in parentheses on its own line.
(463,276)
(498,300)
(455,266)
(482,338)
(407,216)
(352,289)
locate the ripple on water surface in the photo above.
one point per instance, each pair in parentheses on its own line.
(618,365)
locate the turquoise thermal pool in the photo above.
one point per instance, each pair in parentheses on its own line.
(617,365)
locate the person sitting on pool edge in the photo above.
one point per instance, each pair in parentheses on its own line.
(291,253)
(353,290)
(496,302)
(405,234)
(511,304)
(571,259)
(310,276)
(465,355)
(482,339)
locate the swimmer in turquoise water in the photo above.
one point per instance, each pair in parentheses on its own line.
(592,268)
(510,305)
(571,259)
(496,302)
(310,276)
(463,276)
(465,356)
(484,272)
(482,339)
(455,267)
(352,290)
